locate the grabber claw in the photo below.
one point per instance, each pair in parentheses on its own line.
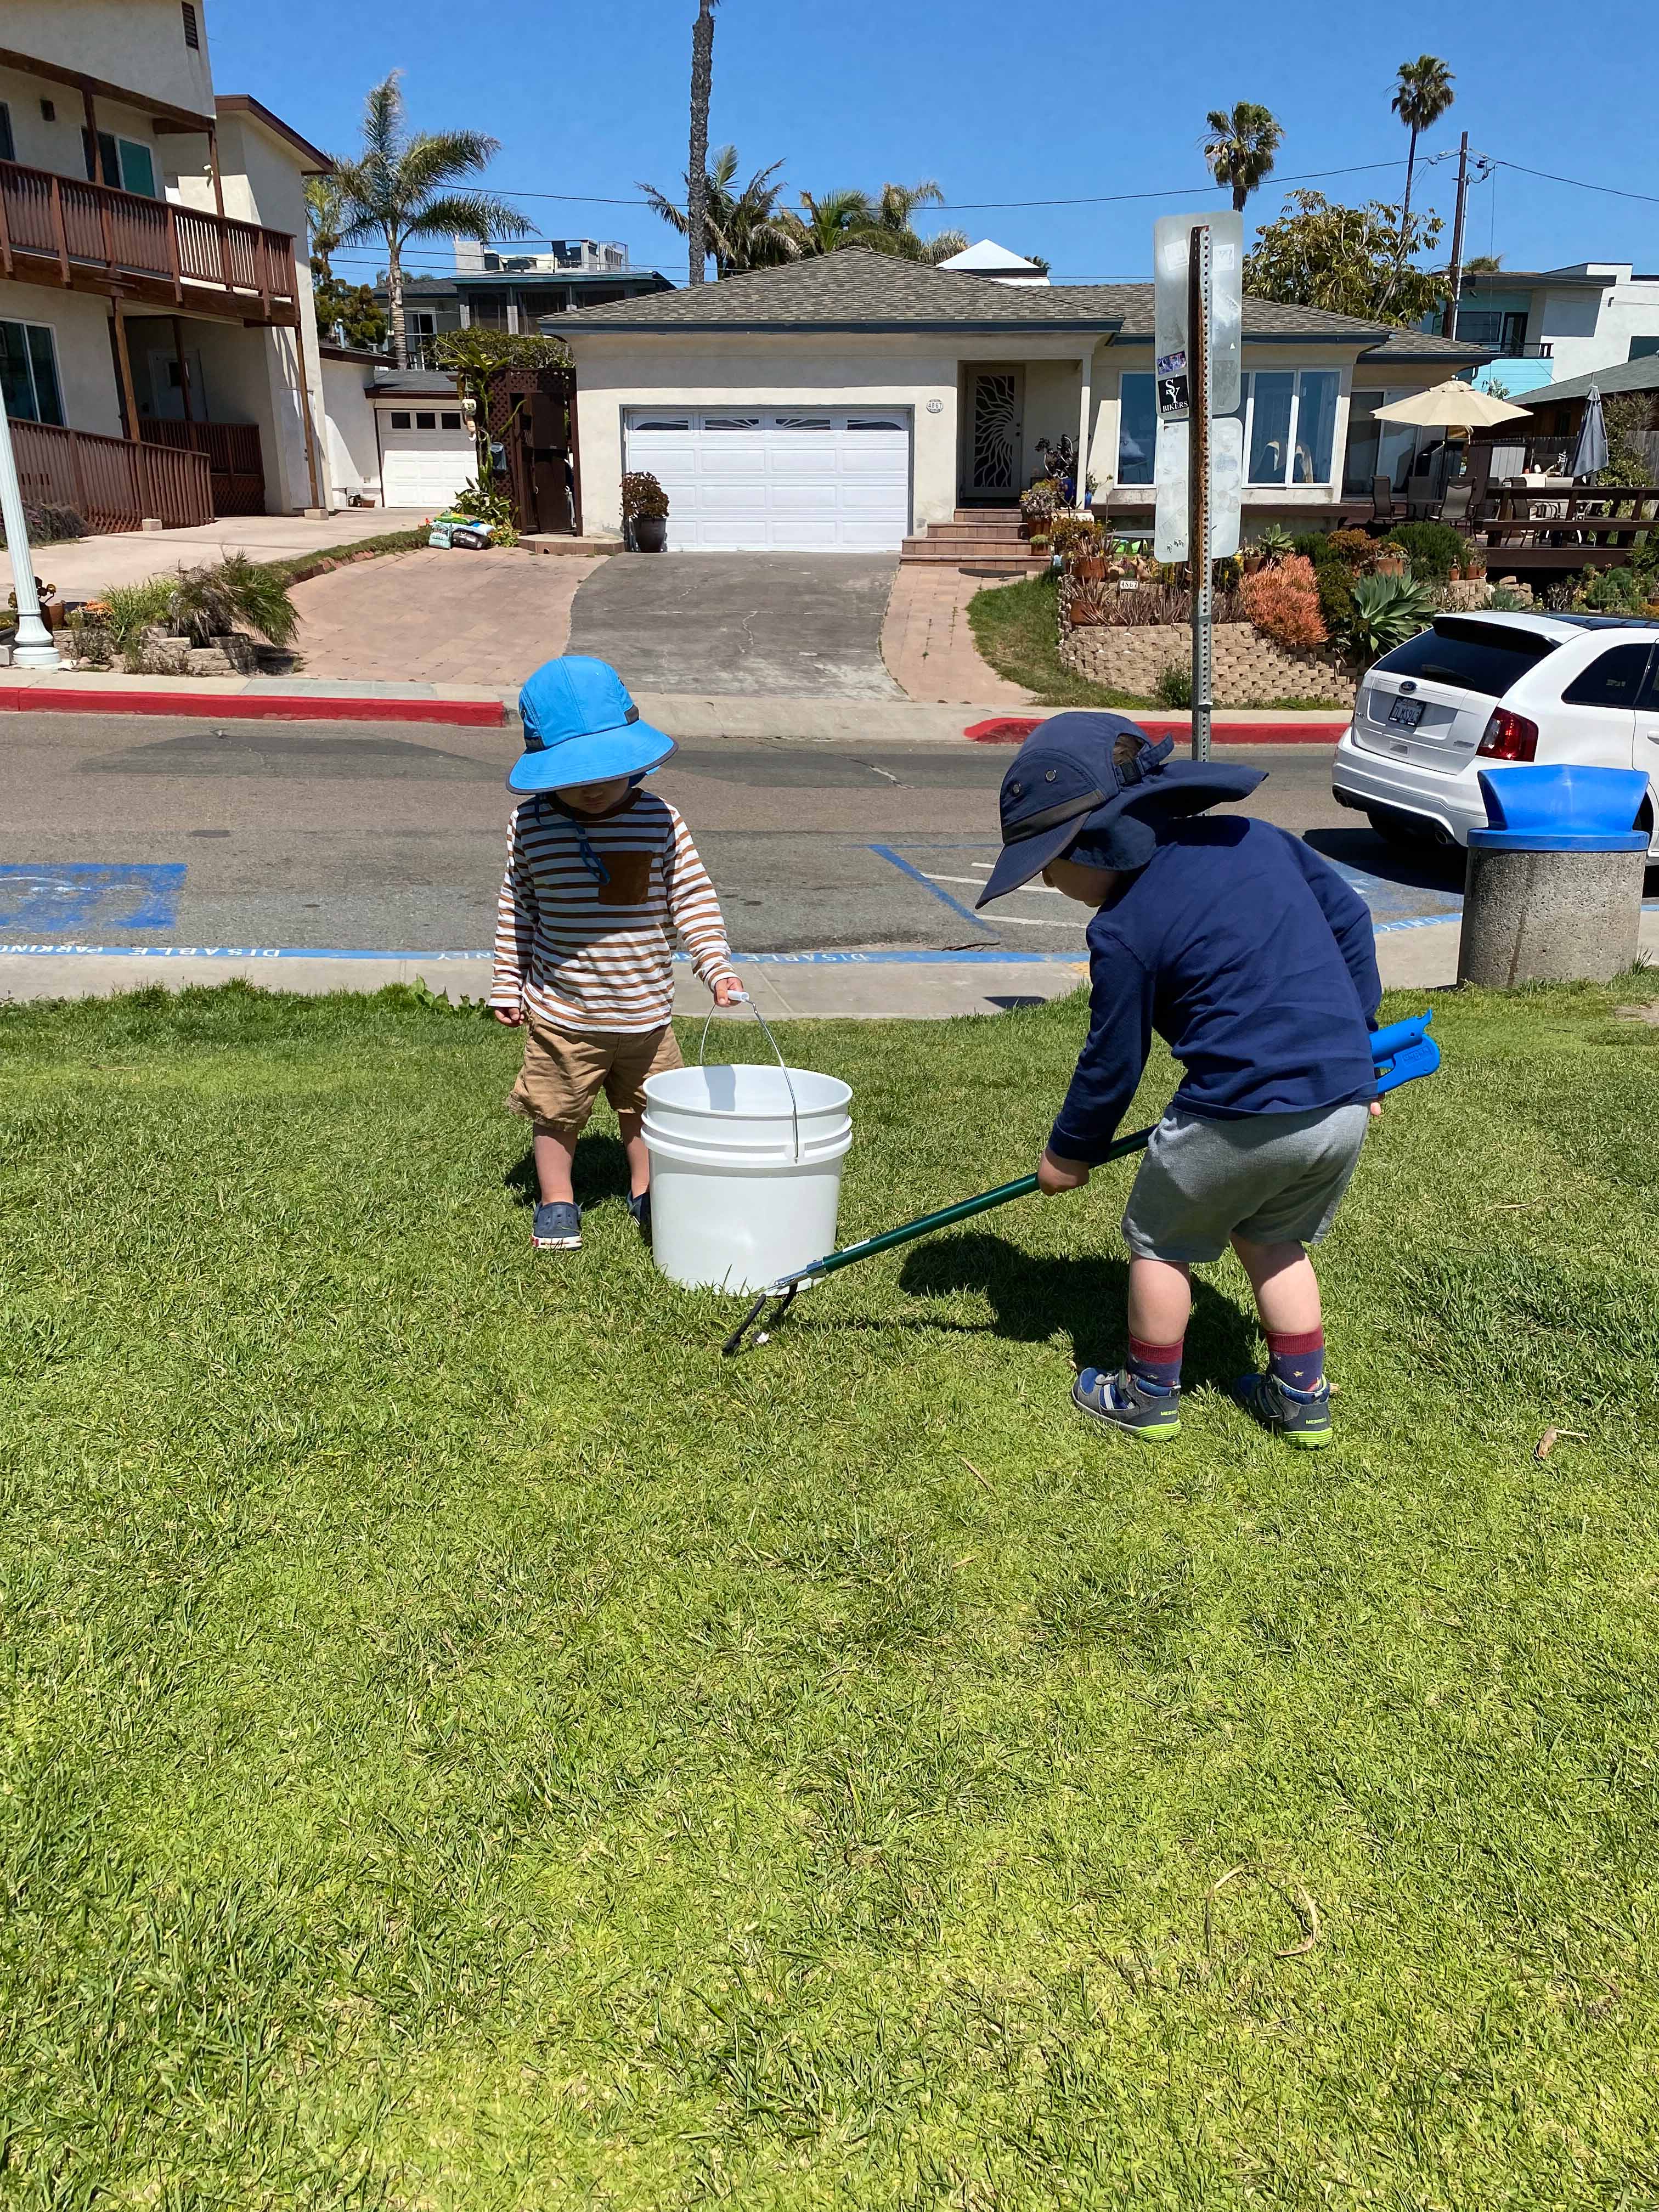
(784,1294)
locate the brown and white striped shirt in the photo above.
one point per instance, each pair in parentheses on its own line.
(582,953)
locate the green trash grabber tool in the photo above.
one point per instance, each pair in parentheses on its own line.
(1400,1053)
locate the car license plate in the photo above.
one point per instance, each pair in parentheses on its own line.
(1405,714)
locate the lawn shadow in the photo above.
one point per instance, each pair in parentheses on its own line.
(601,1172)
(1033,1297)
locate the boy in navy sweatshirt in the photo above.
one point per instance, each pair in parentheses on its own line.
(1255,962)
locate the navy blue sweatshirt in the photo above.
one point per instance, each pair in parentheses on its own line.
(1254,963)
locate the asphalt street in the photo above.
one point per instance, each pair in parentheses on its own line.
(123,830)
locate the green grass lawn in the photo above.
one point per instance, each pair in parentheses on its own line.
(1015,628)
(468,1746)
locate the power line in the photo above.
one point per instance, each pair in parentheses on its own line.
(1617,191)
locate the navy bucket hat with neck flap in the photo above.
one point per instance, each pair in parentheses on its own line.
(1064,794)
(580,727)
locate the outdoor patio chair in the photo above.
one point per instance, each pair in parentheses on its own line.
(1383,508)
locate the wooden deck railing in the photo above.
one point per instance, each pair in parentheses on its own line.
(234,455)
(58,228)
(113,483)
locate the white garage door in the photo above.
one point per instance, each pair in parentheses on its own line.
(757,479)
(426,456)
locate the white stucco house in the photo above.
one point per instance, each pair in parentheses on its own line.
(1548,325)
(158,344)
(853,400)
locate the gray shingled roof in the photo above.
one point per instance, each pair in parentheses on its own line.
(1639,376)
(858,290)
(1422,346)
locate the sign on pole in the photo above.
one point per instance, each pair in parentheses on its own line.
(1171,239)
(1198,265)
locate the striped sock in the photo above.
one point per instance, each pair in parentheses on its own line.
(1156,1366)
(1298,1362)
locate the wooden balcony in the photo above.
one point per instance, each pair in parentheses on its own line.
(91,238)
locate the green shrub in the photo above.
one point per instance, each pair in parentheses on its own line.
(135,608)
(1175,686)
(1273,541)
(1434,549)
(1313,545)
(1336,588)
(1612,592)
(478,506)
(1387,611)
(48,525)
(237,593)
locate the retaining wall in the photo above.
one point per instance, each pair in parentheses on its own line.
(1248,670)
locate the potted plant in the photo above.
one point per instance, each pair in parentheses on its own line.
(644,510)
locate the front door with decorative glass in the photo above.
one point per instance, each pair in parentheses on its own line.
(992,435)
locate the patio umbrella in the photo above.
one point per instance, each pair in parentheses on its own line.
(1453,406)
(1589,455)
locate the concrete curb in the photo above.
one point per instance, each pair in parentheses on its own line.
(255,698)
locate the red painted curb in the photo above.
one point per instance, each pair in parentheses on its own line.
(258,707)
(1014,729)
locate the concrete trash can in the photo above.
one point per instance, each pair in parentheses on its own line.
(1554,891)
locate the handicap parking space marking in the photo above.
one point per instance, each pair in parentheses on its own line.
(1396,901)
(937,878)
(58,896)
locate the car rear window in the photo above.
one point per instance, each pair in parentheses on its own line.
(1477,656)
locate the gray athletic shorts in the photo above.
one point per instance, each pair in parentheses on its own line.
(1274,1178)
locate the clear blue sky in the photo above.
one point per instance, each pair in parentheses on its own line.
(588,100)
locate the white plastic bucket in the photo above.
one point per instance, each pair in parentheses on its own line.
(745,1171)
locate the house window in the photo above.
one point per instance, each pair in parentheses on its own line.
(28,373)
(426,421)
(192,36)
(873,422)
(1502,327)
(802,423)
(399,422)
(450,421)
(7,150)
(1289,427)
(1137,430)
(123,162)
(1644,349)
(731,422)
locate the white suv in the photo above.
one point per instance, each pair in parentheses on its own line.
(1478,691)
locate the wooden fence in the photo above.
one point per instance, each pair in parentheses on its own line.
(112,484)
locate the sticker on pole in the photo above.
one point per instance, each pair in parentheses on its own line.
(1174,393)
(1170,478)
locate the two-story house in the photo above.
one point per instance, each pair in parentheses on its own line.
(1549,324)
(158,347)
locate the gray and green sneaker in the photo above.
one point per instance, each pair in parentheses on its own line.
(1119,1401)
(1301,1417)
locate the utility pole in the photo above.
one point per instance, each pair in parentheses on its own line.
(34,647)
(1198,480)
(1457,235)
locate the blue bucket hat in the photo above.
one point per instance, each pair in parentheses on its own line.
(1065,793)
(580,727)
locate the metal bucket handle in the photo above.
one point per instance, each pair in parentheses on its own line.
(783,1067)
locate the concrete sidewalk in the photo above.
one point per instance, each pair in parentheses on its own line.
(91,565)
(876,985)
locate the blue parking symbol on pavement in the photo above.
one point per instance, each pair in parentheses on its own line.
(53,896)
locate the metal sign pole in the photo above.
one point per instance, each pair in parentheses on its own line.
(1198,481)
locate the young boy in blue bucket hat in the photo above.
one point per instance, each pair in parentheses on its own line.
(1255,962)
(600,876)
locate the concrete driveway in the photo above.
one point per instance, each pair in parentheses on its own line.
(794,625)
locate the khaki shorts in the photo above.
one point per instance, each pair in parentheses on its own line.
(565,1070)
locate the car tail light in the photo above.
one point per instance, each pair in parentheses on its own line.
(1509,737)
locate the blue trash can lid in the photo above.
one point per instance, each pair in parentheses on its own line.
(1566,808)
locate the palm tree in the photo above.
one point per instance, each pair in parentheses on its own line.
(893,230)
(394,189)
(827,223)
(746,229)
(1422,94)
(1241,146)
(696,174)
